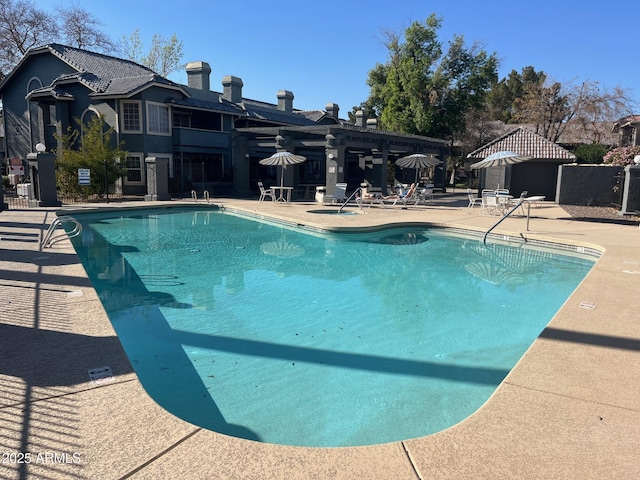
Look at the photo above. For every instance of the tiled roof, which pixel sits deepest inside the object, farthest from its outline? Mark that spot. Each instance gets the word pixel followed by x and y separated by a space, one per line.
pixel 626 121
pixel 524 142
pixel 111 76
pixel 54 91
pixel 221 106
pixel 103 68
pixel 313 115
pixel 278 116
pixel 103 74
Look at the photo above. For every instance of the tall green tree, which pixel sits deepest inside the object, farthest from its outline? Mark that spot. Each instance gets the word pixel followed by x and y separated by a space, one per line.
pixel 501 100
pixel 426 87
pixel 163 57
pixel 90 146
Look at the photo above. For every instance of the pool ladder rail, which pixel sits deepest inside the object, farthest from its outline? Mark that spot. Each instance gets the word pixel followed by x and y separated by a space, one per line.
pixel 351 197
pixel 486 234
pixel 205 195
pixel 52 237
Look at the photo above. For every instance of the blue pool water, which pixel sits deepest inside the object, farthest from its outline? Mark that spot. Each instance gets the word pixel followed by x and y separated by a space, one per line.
pixel 286 336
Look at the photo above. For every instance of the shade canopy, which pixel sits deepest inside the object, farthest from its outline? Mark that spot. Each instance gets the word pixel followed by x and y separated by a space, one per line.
pixel 418 161
pixel 501 159
pixel 282 159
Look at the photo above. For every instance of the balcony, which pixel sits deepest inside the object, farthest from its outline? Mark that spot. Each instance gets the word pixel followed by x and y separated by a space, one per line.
pixel 193 138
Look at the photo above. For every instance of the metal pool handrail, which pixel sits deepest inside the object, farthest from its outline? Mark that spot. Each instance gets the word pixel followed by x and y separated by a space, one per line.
pixel 484 239
pixel 356 191
pixel 49 239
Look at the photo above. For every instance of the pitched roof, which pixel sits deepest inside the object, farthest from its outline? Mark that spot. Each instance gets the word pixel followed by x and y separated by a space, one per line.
pixel 275 115
pixel 527 143
pixel 103 74
pixel 108 76
pixel 625 122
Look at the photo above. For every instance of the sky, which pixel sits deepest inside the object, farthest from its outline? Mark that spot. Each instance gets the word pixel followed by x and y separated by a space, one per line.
pixel 323 50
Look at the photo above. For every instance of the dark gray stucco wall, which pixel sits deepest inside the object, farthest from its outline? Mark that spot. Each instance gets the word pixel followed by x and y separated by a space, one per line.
pixel 593 185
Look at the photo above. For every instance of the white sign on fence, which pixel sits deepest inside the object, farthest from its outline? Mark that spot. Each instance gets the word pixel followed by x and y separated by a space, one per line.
pixel 84 176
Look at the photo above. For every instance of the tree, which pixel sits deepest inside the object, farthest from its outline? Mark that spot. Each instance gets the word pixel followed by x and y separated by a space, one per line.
pixel 425 89
pixel 502 97
pixel 595 107
pixel 164 56
pixel 22 26
pixel 81 29
pixel 92 149
pixel 590 153
pixel 550 107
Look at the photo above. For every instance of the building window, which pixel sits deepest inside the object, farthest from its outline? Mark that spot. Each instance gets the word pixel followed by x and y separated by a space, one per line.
pixel 134 165
pixel 131 122
pixel 181 119
pixel 158 119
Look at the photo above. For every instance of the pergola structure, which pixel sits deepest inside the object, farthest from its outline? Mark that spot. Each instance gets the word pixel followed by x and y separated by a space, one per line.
pixel 335 153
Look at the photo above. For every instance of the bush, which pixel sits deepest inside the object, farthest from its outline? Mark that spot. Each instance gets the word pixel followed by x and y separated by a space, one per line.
pixel 622 155
pixel 592 153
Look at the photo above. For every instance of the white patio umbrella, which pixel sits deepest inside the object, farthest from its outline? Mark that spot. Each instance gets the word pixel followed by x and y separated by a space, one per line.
pixel 418 161
pixel 501 159
pixel 282 159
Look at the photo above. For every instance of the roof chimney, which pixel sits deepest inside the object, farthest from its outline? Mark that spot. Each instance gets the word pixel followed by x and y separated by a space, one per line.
pixel 360 118
pixel 332 110
pixel 232 89
pixel 198 75
pixel 372 123
pixel 285 101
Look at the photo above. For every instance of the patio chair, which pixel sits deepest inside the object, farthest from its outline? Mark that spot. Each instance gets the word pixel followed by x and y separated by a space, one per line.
pixel 473 200
pixel 489 205
pixel 339 194
pixel 266 192
pixel 518 201
pixel 426 193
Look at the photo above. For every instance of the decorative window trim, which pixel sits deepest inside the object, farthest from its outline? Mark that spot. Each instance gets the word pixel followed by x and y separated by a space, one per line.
pixel 83 118
pixel 123 125
pixel 140 157
pixel 158 124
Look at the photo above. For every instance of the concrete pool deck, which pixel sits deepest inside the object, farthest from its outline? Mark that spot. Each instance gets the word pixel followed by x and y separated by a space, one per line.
pixel 569 409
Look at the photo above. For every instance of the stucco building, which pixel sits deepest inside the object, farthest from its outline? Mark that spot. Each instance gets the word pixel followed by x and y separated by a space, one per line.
pixel 213 140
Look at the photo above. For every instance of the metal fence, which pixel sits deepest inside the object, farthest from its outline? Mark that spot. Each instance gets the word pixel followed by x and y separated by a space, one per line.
pixel 21 196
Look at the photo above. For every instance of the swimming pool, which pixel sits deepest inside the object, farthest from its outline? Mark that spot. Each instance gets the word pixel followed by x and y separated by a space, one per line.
pixel 283 335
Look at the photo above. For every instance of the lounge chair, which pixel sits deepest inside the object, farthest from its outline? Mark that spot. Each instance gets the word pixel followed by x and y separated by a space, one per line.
pixel 369 199
pixel 405 198
pixel 266 192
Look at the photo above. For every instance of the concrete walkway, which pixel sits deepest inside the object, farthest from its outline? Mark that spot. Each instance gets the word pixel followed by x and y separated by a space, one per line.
pixel 569 410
